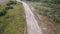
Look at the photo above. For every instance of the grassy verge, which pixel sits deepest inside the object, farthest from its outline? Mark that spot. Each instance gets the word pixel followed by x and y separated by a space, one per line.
pixel 13 21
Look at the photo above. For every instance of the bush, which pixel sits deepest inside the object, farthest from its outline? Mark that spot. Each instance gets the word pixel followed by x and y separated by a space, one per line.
pixel 8 7
pixel 2 12
pixel 10 3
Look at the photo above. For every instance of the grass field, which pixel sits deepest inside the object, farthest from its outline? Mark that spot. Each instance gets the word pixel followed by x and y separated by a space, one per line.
pixel 13 21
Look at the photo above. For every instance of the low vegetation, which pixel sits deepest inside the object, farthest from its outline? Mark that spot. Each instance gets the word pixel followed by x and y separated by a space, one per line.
pixel 11 19
pixel 51 10
pixel 2 12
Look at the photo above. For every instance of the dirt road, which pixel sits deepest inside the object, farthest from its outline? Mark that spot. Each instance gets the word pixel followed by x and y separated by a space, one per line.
pixel 32 25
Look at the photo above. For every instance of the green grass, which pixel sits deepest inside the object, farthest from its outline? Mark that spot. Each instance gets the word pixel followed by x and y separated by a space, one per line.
pixel 13 21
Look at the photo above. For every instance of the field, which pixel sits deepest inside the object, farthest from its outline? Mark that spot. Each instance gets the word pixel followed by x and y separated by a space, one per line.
pixel 13 21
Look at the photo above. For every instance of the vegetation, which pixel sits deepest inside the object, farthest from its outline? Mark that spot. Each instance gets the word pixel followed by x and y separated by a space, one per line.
pixel 11 19
pixel 10 3
pixel 49 1
pixel 49 8
pixel 8 7
pixel 2 12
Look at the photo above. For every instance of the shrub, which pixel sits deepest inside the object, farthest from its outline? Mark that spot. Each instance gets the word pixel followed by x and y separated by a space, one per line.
pixel 8 7
pixel 2 12
pixel 10 3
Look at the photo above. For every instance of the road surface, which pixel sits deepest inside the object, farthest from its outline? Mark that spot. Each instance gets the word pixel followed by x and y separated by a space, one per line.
pixel 32 24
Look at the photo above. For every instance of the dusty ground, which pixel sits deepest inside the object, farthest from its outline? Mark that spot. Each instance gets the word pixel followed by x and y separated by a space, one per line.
pixel 45 24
